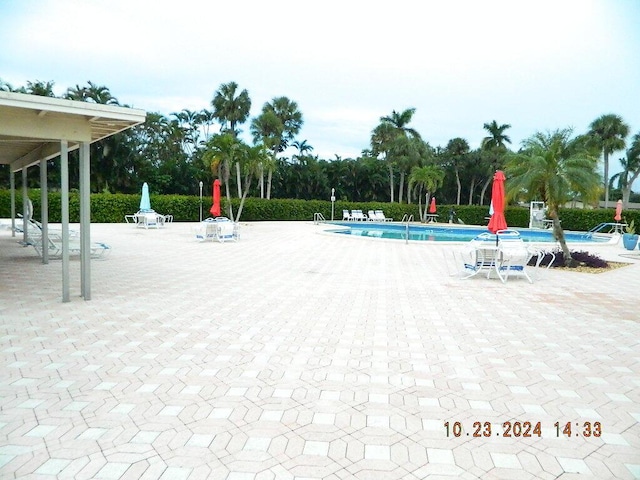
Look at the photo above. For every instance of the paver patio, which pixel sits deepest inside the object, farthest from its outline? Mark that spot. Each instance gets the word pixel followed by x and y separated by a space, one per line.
pixel 293 354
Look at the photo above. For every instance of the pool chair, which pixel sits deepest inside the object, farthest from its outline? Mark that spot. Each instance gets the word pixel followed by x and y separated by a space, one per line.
pixel 380 216
pixel 226 230
pixel 478 256
pixel 513 256
pixel 148 219
pixel 372 217
pixel 97 249
pixel 358 215
pixel 346 216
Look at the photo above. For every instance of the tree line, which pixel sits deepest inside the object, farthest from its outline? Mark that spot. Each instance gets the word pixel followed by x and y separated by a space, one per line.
pixel 174 153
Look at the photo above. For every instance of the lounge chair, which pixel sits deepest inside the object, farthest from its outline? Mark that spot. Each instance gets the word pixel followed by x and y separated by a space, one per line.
pixel 513 255
pixel 346 216
pixel 358 215
pixel 372 217
pixel 380 216
pixel 97 249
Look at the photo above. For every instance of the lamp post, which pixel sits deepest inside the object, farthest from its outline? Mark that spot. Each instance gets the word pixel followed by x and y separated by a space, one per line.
pixel 333 201
pixel 200 200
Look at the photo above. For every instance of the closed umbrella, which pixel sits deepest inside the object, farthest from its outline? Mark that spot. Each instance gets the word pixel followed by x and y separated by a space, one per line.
pixel 497 221
pixel 432 206
pixel 145 201
pixel 215 208
pixel 618 215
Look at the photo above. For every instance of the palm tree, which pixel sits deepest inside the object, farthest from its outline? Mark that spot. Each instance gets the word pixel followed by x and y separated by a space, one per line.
pixel 222 151
pixel 253 158
pixel 277 125
pixel 456 150
pixel 608 134
pixel 231 109
pixel 384 139
pixel 303 148
pixel 550 167
pixel 430 178
pixel 630 170
pixel 494 146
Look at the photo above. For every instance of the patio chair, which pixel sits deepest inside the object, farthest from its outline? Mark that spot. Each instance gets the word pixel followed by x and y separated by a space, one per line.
pixel 372 217
pixel 478 256
pixel 380 216
pixel 346 216
pixel 513 255
pixel 97 249
pixel 226 230
pixel 358 215
pixel 148 219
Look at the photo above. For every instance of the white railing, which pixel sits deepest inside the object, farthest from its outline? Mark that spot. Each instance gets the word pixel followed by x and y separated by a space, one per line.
pixel 317 218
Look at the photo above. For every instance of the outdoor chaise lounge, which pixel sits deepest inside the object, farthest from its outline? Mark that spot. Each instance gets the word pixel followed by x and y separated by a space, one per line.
pixel 98 249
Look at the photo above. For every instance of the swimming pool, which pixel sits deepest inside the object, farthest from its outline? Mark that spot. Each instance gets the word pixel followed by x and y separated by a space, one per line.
pixel 443 233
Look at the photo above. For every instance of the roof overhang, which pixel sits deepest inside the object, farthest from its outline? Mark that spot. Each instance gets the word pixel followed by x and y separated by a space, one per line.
pixel 31 126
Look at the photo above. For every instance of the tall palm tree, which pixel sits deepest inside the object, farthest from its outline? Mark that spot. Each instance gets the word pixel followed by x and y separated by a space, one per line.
pixel 430 178
pixel 384 139
pixel 231 108
pixel 277 126
pixel 630 170
pixel 550 167
pixel 456 150
pixel 494 146
pixel 608 134
pixel 221 152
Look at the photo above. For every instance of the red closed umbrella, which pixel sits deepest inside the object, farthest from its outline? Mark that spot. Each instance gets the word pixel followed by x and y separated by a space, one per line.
pixel 618 216
pixel 497 221
pixel 432 205
pixel 215 208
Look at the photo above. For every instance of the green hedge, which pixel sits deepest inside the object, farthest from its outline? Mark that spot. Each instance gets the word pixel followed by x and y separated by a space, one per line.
pixel 111 208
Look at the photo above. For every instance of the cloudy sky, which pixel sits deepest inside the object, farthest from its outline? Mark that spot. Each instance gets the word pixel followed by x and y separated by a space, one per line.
pixel 537 65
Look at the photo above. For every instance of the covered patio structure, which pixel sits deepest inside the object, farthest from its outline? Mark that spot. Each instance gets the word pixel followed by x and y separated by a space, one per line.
pixel 35 129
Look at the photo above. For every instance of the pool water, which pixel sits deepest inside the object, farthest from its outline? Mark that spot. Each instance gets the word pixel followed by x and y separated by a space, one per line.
pixel 441 233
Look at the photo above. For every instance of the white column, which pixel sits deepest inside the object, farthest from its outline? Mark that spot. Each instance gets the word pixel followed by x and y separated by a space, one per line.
pixel 64 200
pixel 85 222
pixel 25 206
pixel 12 188
pixel 44 200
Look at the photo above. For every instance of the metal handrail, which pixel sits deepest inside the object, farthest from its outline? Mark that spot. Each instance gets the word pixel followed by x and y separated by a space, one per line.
pixel 408 219
pixel 318 217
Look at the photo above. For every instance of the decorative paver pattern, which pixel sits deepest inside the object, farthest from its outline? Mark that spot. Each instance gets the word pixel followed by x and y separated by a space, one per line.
pixel 293 354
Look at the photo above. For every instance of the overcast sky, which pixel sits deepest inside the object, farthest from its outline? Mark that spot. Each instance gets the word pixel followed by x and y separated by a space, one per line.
pixel 537 65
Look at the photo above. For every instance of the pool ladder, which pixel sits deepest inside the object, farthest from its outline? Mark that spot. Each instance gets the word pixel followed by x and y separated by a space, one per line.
pixel 407 219
pixel 317 218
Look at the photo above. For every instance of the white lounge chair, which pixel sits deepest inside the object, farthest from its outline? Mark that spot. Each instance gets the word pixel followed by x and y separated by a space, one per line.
pixel 372 217
pixel 380 216
pixel 97 249
pixel 358 215
pixel 513 255
pixel 346 215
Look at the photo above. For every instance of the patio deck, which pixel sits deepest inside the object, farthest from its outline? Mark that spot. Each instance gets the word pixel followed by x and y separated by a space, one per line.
pixel 294 355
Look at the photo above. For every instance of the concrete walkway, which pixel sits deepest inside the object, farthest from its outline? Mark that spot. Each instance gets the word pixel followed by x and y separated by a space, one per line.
pixel 293 354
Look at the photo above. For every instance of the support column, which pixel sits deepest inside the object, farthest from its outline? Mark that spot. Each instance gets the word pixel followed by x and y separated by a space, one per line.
pixel 44 200
pixel 64 197
pixel 25 206
pixel 12 188
pixel 85 221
